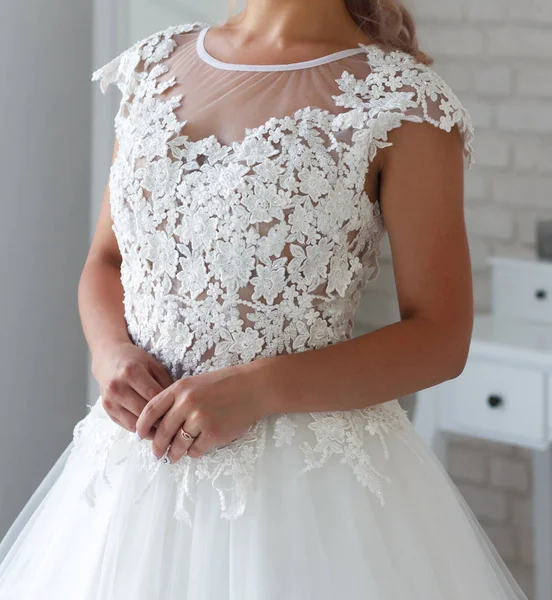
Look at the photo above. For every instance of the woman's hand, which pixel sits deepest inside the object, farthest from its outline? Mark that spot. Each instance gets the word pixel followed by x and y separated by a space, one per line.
pixel 215 408
pixel 129 377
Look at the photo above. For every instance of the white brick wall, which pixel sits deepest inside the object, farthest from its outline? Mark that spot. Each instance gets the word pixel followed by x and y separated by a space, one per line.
pixel 497 56
pixel 492 80
pixel 519 42
pixel 495 480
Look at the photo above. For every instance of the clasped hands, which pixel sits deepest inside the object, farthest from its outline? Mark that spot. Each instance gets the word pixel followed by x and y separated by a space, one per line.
pixel 215 407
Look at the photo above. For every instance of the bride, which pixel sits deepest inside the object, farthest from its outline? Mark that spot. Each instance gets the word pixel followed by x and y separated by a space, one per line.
pixel 245 446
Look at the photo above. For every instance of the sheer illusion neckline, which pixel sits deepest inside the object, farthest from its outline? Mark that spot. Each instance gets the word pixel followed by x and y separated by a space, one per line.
pixel 219 64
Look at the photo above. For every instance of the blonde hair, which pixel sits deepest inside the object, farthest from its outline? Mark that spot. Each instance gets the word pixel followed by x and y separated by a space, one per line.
pixel 387 22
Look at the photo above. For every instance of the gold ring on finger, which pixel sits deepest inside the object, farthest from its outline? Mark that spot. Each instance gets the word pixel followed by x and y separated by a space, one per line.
pixel 185 434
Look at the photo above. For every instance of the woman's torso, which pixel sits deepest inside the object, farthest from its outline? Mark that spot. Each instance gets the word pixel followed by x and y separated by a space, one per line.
pixel 239 201
pixel 240 206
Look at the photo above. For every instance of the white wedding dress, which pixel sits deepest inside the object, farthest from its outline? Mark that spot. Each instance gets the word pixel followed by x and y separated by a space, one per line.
pixel 240 208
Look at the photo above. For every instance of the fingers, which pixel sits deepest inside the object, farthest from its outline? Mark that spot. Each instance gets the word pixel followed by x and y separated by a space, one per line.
pixel 179 445
pixel 122 404
pixel 155 409
pixel 133 402
pixel 199 446
pixel 124 418
pixel 113 398
pixel 129 392
pixel 145 388
pixel 145 384
pixel 167 430
pixel 161 375
pixel 151 434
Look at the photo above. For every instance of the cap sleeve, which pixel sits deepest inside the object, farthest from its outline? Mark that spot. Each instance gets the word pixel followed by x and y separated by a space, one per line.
pixel 115 71
pixel 436 103
pixel 124 69
pixel 399 88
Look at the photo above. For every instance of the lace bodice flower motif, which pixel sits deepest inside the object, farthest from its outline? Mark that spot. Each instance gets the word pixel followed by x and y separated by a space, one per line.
pixel 239 204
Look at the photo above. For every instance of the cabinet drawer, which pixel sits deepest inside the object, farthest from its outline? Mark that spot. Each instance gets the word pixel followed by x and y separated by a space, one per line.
pixel 500 402
pixel 522 289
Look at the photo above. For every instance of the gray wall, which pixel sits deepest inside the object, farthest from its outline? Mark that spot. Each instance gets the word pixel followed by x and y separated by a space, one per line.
pixel 45 63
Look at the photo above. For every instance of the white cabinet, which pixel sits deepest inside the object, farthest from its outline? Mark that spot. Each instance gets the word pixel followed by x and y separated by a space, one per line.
pixel 495 400
pixel 522 289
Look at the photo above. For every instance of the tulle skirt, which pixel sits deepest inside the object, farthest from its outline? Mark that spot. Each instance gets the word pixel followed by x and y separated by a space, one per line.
pixel 320 536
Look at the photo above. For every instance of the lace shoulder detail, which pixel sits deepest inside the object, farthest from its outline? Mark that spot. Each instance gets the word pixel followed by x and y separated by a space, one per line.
pixel 123 69
pixel 399 88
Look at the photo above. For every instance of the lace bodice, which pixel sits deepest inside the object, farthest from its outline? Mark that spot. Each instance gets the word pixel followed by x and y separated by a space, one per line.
pixel 240 206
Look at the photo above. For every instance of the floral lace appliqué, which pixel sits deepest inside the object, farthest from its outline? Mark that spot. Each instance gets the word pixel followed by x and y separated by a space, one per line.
pixel 232 252
pixel 231 469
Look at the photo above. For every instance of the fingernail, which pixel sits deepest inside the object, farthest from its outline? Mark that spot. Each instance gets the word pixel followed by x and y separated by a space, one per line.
pixel 137 436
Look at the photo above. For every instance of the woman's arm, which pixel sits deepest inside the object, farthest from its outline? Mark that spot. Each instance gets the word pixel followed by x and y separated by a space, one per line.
pixel 422 200
pixel 128 376
pixel 100 293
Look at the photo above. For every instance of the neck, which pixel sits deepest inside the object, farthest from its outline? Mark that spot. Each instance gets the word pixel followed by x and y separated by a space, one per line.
pixel 281 22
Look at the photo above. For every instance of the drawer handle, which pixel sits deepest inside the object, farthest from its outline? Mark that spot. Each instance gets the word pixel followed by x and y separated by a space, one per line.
pixel 541 294
pixel 494 400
